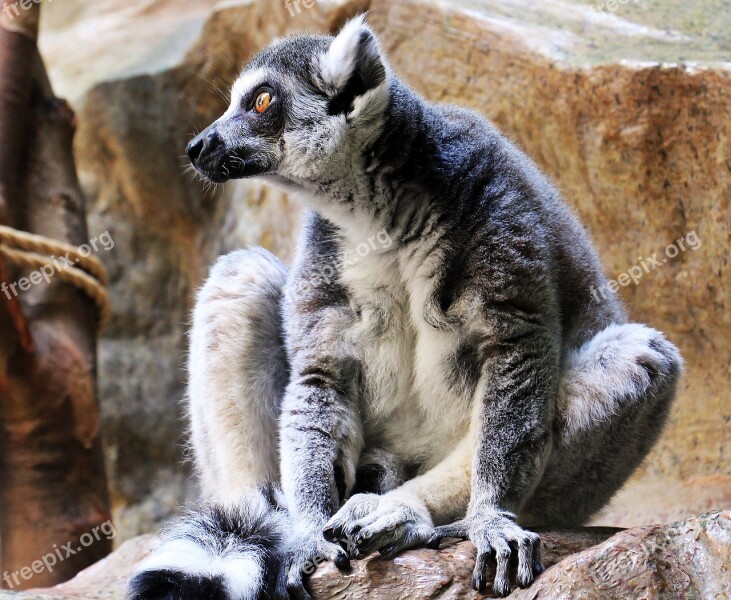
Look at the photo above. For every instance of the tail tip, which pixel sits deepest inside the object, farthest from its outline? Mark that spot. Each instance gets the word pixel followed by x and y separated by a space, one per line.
pixel 169 584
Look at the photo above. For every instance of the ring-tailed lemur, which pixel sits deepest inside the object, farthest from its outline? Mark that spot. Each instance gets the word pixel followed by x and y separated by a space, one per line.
pixel 459 381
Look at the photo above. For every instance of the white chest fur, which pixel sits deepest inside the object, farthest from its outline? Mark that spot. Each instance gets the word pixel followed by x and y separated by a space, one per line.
pixel 408 406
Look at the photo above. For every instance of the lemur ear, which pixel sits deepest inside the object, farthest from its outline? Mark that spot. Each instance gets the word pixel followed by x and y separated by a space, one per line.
pixel 353 66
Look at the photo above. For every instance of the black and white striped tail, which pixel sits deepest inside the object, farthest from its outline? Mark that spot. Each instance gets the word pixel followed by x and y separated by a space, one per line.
pixel 218 553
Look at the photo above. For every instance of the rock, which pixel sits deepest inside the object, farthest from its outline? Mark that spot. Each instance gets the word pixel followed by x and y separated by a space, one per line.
pixel 690 559
pixel 626 108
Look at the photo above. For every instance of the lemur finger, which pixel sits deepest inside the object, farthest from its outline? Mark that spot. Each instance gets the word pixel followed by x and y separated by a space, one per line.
pixel 360 505
pixel 341 559
pixel 538 567
pixel 410 537
pixel 333 552
pixel 479 577
pixel 295 585
pixel 526 548
pixel 501 585
pixel 374 525
pixel 333 533
pixel 458 529
pixel 385 538
pixel 389 551
pixel 280 590
pixel 334 530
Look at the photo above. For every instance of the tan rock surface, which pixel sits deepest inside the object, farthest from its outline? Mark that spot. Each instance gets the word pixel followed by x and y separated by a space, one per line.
pixel 690 559
pixel 639 147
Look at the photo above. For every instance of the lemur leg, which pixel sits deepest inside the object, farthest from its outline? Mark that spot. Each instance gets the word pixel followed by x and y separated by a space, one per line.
pixel 237 374
pixel 231 547
pixel 613 403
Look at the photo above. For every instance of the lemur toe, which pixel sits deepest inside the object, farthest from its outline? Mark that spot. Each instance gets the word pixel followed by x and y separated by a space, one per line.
pixel 291 586
pixel 503 552
pixel 479 577
pixel 529 559
pixel 458 530
pixel 391 550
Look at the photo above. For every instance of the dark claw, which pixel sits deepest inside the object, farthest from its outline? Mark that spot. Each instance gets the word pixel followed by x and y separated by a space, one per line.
pixel 364 547
pixel 342 562
pixel 390 551
pixel 297 591
pixel 538 568
pixel 502 591
pixel 478 583
pixel 434 541
pixel 479 579
pixel 331 534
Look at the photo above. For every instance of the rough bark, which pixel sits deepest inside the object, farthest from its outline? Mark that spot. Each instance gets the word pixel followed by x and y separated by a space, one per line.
pixel 16 54
pixel 51 467
pixel 17 51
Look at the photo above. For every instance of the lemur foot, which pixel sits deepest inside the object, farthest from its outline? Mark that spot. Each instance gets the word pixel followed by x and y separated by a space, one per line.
pixel 390 523
pixel 308 551
pixel 496 536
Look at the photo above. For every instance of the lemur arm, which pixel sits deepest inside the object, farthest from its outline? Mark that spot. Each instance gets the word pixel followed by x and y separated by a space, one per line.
pixel 320 429
pixel 515 412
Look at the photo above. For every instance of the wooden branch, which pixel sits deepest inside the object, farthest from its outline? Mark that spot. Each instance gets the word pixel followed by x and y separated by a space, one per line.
pixel 17 52
pixel 52 480
pixel 54 486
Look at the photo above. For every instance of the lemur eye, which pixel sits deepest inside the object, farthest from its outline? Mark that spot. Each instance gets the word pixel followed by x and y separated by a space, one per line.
pixel 263 101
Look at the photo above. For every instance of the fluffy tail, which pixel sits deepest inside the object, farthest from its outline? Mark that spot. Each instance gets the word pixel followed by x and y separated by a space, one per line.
pixel 221 553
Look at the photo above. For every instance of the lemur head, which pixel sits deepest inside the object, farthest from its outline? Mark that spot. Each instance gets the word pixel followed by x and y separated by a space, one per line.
pixel 299 110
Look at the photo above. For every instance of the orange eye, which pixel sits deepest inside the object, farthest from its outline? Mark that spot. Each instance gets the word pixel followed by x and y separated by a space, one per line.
pixel 263 101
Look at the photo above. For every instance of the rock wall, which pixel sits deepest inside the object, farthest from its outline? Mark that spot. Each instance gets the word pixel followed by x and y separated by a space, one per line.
pixel 630 117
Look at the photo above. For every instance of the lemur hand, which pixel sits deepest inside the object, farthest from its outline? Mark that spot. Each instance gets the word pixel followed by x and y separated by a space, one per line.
pixel 496 535
pixel 389 523
pixel 308 550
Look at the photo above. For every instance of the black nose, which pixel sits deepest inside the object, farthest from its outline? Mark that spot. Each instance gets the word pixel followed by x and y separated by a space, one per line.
pixel 194 147
pixel 204 142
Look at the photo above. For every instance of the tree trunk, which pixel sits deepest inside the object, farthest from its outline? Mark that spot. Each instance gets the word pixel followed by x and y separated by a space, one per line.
pixel 53 494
